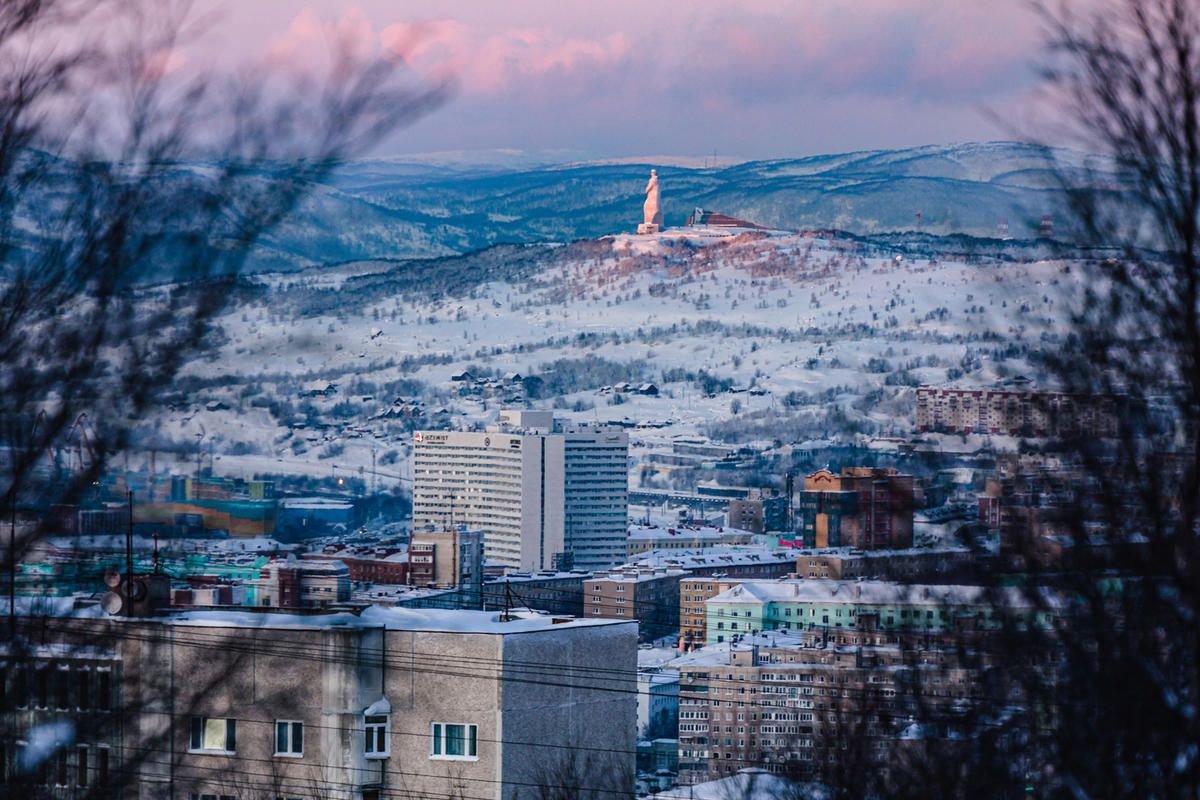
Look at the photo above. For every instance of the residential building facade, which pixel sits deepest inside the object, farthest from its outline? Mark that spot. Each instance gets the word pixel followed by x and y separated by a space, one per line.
pixel 394 703
pixel 924 565
pixel 644 538
pixel 802 604
pixel 1014 412
pixel 791 702
pixel 554 592
pixel 649 595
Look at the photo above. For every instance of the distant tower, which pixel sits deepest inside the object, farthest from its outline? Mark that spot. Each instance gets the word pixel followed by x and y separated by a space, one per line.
pixel 918 222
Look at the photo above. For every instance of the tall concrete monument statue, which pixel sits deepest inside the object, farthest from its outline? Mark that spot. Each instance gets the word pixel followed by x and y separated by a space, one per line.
pixel 651 211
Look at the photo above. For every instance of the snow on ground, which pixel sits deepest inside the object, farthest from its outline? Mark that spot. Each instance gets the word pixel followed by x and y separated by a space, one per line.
pixel 810 325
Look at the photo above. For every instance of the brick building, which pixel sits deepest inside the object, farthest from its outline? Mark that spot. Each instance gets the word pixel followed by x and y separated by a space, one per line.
pixel 865 507
pixel 649 595
pixel 915 565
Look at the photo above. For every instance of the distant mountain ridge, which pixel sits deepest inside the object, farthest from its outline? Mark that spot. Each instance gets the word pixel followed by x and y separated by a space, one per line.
pixel 449 203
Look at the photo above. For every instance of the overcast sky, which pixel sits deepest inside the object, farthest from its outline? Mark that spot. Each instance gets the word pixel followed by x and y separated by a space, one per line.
pixel 755 78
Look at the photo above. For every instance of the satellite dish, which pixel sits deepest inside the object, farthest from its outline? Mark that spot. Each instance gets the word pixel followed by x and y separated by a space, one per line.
pixel 112 578
pixel 134 589
pixel 112 603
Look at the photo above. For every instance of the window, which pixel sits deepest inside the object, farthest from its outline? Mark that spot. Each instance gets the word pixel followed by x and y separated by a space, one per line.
pixel 289 738
pixel 82 763
pixel 41 686
pixel 213 735
pixel 376 726
pixel 62 698
pixel 103 693
pixel 452 741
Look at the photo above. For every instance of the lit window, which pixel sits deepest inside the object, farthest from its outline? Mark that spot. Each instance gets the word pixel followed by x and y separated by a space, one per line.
pixel 289 738
pixel 376 745
pixel 452 741
pixel 213 734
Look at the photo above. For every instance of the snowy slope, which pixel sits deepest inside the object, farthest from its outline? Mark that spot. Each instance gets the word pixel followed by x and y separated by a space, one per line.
pixel 745 337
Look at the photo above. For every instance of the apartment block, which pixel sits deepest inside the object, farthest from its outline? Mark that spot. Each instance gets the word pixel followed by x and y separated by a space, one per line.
pixel 394 703
pixel 802 604
pixel 644 538
pixel 543 493
pixel 554 592
pixel 649 595
pixel 864 507
pixel 367 564
pixel 1014 412
pixel 924 565
pixel 694 592
pixel 791 702
pixel 447 559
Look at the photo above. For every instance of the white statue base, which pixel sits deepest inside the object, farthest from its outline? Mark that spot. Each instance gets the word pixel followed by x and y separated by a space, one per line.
pixel 647 227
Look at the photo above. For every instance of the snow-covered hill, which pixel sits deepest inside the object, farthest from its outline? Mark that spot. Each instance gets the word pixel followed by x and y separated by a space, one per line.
pixel 744 337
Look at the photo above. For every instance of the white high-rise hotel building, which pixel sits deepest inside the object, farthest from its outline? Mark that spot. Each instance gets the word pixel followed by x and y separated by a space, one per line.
pixel 535 487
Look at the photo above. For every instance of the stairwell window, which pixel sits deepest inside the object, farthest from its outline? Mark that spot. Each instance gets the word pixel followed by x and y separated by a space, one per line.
pixel 376 726
pixel 453 742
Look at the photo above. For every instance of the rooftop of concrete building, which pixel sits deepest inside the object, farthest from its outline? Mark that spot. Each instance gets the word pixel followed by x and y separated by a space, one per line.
pixel 653 532
pixel 715 655
pixel 753 783
pixel 831 592
pixel 708 557
pixel 317 503
pixel 309 565
pixel 390 593
pixel 856 552
pixel 638 574
pixel 391 618
pixel 116 542
pixel 360 552
pixel 544 575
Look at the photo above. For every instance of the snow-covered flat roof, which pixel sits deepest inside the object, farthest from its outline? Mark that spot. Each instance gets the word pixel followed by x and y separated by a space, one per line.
pixel 749 784
pixel 433 620
pixel 868 593
pixel 395 619
pixel 651 532
pixel 549 575
pixel 727 556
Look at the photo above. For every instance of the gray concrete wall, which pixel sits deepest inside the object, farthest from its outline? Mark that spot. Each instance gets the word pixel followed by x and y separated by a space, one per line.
pixel 570 710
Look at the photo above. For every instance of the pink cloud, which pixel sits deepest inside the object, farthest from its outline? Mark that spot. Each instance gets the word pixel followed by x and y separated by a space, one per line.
pixel 310 40
pixel 487 62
